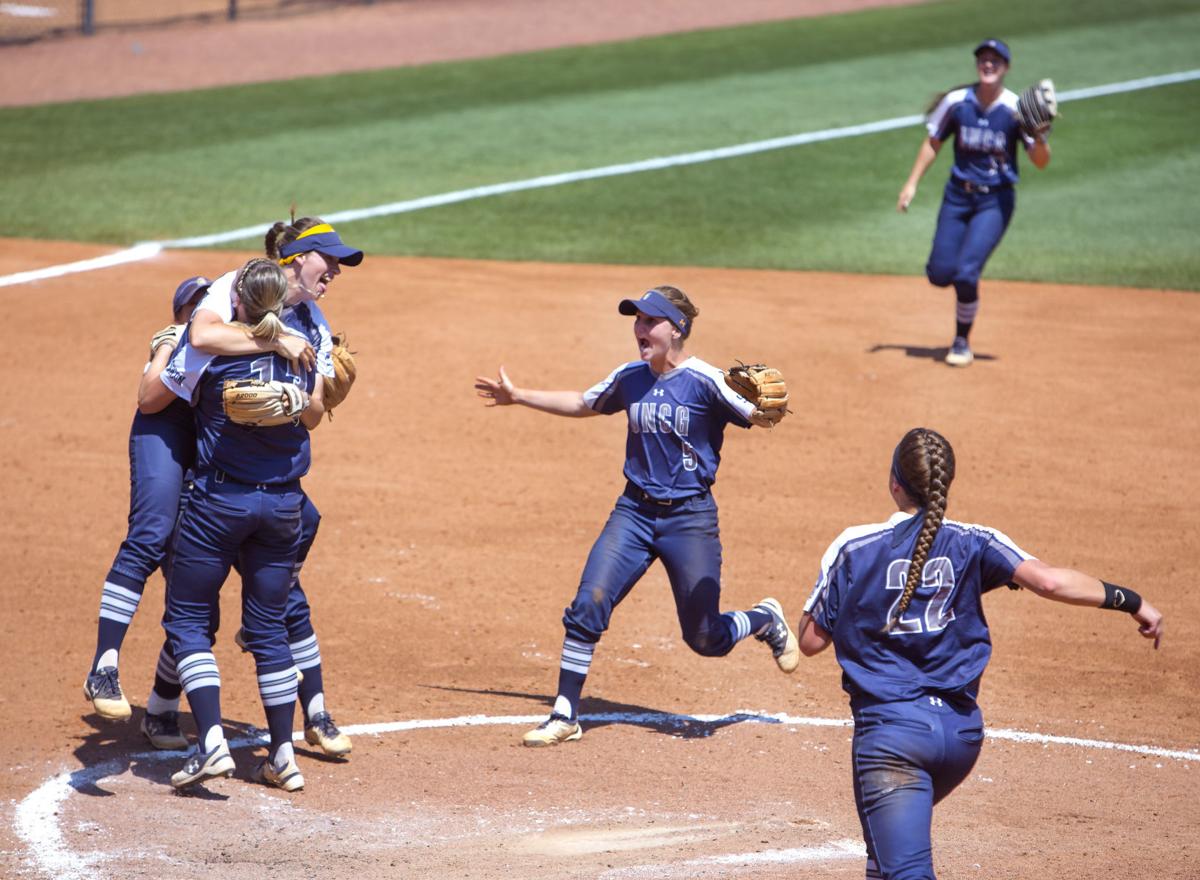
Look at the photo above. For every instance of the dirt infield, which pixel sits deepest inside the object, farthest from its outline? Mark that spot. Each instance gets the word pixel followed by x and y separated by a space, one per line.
pixel 453 536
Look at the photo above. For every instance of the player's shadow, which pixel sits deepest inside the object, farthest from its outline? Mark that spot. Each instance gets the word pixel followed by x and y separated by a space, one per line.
pixel 598 712
pixel 114 747
pixel 920 351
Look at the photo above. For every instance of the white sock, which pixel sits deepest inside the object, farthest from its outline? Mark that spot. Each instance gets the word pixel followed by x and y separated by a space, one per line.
pixel 315 706
pixel 283 754
pixel 156 705
pixel 563 707
pixel 108 658
pixel 213 738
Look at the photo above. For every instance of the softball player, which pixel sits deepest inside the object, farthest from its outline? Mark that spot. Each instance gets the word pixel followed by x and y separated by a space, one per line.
pixel 979 198
pixel 901 601
pixel 311 253
pixel 244 505
pixel 677 408
pixel 162 448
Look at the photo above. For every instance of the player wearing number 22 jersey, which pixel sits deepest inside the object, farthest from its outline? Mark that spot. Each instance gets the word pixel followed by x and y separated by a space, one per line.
pixel 902 603
pixel 677 408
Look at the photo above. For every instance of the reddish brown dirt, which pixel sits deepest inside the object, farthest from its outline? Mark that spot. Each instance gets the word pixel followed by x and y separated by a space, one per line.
pixel 185 56
pixel 453 536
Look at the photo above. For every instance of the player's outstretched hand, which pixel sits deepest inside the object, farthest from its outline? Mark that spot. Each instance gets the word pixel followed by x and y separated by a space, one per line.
pixel 906 196
pixel 1150 622
pixel 499 390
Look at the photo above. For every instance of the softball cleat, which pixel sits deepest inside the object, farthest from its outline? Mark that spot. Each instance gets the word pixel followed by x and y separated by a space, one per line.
pixel 103 688
pixel 320 731
pixel 286 777
pixel 204 765
pixel 554 730
pixel 779 636
pixel 163 731
pixel 960 354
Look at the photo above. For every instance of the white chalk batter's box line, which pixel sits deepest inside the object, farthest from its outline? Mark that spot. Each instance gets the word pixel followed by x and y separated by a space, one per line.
pixel 36 817
pixel 148 250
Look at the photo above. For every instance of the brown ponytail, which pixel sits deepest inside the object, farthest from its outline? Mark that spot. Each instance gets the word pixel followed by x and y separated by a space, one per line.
pixel 924 465
pixel 285 233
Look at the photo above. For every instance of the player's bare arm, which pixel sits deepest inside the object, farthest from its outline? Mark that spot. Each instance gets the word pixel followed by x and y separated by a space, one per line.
pixel 1076 588
pixel 926 155
pixel 210 334
pixel 501 392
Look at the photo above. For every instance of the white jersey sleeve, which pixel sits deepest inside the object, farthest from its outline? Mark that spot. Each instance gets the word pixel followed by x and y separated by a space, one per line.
pixel 730 398
pixel 936 122
pixel 219 298
pixel 600 396
pixel 307 320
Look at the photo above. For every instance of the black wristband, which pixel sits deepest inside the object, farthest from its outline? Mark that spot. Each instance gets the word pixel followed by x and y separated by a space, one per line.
pixel 1121 598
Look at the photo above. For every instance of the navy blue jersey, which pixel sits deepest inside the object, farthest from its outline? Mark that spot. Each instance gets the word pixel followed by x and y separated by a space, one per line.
pixel 276 454
pixel 676 423
pixel 941 643
pixel 985 138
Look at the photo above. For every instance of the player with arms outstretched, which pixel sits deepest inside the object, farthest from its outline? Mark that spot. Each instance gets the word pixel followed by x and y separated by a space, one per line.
pixel 902 603
pixel 979 198
pixel 677 408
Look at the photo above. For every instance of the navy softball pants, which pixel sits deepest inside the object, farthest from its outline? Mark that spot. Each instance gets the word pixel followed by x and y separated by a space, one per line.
pixel 687 538
pixel 226 521
pixel 162 448
pixel 907 757
pixel 969 227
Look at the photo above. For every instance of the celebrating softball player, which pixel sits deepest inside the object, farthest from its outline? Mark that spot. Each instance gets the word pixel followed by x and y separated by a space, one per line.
pixel 677 408
pixel 253 416
pixel 901 601
pixel 162 447
pixel 311 253
pixel 979 198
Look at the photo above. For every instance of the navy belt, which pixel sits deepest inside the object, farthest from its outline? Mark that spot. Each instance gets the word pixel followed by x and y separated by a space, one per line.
pixel 220 477
pixel 636 493
pixel 971 187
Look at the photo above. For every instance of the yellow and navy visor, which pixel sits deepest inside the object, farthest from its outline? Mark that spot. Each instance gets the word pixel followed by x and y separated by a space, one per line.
pixel 324 240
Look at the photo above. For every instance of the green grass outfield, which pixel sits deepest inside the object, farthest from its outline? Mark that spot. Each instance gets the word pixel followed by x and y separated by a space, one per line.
pixel 1116 206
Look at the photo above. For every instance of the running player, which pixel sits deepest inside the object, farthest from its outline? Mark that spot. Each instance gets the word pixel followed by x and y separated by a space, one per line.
pixel 677 407
pixel 901 602
pixel 162 447
pixel 244 505
pixel 979 198
pixel 311 253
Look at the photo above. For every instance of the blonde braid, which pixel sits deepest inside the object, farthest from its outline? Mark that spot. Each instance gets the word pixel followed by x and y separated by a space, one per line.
pixel 935 465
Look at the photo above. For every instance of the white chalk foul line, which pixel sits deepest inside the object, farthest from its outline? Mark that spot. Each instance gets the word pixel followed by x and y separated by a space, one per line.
pixel 36 816
pixel 149 249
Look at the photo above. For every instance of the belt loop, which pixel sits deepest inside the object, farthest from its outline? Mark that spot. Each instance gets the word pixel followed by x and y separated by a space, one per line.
pixel 220 476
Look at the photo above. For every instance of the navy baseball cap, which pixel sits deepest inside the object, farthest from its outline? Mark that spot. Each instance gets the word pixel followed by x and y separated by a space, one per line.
pixel 187 292
pixel 655 304
pixel 997 46
pixel 324 240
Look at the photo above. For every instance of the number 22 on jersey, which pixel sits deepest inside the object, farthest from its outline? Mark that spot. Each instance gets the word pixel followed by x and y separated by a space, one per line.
pixel 937 579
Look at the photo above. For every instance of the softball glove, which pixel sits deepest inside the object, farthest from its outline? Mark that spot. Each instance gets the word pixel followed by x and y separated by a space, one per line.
pixel 344 373
pixel 169 335
pixel 1037 107
pixel 764 387
pixel 263 404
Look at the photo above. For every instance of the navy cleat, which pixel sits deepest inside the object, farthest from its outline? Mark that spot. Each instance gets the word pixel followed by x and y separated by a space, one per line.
pixel 103 688
pixel 960 354
pixel 163 731
pixel 779 636
pixel 204 765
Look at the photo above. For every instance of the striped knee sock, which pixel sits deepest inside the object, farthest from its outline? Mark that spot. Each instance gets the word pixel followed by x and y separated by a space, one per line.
pixel 164 696
pixel 201 681
pixel 743 623
pixel 278 692
pixel 572 673
pixel 118 604
pixel 307 655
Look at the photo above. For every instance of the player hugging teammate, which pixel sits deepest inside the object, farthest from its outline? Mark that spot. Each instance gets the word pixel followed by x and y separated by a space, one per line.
pixel 310 253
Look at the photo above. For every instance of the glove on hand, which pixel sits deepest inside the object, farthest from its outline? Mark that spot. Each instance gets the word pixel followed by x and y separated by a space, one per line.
pixel 1037 107
pixel 169 335
pixel 764 387
pixel 344 373
pixel 254 402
